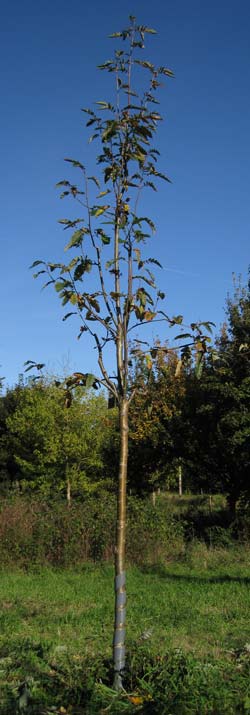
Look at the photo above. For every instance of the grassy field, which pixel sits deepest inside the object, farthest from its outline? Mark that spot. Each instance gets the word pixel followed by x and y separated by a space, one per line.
pixel 188 637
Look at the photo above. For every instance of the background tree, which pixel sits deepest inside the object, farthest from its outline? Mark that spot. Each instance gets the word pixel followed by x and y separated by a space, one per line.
pixel 108 283
pixel 56 450
pixel 215 431
pixel 8 467
pixel 153 448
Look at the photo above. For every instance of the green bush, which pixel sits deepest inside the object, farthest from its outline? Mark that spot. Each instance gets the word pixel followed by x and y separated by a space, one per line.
pixel 153 533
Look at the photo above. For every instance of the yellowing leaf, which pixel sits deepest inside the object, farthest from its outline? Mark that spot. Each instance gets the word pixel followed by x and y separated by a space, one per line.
pixel 136 699
pixel 178 368
pixel 149 315
pixel 148 362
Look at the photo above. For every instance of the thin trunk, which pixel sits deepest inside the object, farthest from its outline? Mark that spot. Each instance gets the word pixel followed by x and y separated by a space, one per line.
pixel 180 479
pixel 120 575
pixel 68 492
pixel 68 484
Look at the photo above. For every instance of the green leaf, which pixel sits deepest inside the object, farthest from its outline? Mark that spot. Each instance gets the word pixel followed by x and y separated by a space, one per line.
pixel 141 295
pixel 95 180
pixel 62 183
pixel 84 266
pixel 110 130
pixel 73 299
pixel 76 238
pixel 94 303
pixel 105 239
pixel 177 319
pixel 103 193
pixel 149 281
pixel 114 295
pixel 90 316
pixel 37 263
pixel 75 163
pixel 103 105
pixel 105 65
pixel 166 71
pixel 162 176
pixel 67 315
pixel 73 263
pixel 91 122
pixel 154 260
pixel 35 275
pixel 144 63
pixel 46 284
pixel 149 30
pixel 149 222
pixel 207 324
pixel 32 364
pixel 151 185
pixel 99 210
pixel 59 285
pixel 83 329
pixel 139 312
pixel 183 336
pixel 88 111
pixel 108 173
pixel 52 266
pixel 66 297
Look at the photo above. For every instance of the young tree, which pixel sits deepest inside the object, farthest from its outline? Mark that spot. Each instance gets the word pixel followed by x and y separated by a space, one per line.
pixel 108 283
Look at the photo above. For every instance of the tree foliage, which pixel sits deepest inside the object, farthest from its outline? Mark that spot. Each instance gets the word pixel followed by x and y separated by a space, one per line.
pixel 216 416
pixel 51 445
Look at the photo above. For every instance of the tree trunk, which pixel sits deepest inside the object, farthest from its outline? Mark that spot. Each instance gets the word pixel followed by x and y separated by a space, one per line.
pixel 120 575
pixel 68 484
pixel 180 480
pixel 68 492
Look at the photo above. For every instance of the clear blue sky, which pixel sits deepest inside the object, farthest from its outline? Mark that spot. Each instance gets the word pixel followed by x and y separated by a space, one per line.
pixel 49 51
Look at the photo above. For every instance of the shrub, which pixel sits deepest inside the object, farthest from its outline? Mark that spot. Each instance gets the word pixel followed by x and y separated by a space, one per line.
pixel 153 534
pixel 34 532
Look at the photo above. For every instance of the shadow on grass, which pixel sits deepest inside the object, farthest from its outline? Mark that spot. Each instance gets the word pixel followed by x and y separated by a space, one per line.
pixel 163 572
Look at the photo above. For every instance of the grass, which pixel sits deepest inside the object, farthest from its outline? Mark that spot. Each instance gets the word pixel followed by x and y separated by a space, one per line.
pixel 188 618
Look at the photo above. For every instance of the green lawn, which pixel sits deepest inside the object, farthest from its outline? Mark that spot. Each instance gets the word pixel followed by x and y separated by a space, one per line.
pixel 56 619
